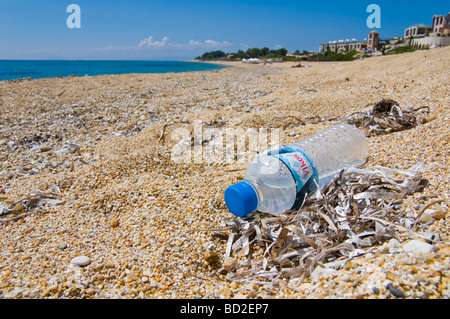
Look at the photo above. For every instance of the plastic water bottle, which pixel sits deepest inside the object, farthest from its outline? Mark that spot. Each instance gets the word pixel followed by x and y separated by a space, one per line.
pixel 282 180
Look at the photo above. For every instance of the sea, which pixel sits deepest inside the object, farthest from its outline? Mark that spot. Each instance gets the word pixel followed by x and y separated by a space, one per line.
pixel 36 69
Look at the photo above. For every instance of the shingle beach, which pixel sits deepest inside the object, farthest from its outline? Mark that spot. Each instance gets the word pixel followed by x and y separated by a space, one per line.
pixel 93 204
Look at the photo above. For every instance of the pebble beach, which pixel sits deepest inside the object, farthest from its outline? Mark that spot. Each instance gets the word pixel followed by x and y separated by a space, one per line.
pixel 93 204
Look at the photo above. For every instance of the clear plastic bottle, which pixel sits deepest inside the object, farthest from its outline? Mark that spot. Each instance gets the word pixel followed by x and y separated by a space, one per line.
pixel 281 180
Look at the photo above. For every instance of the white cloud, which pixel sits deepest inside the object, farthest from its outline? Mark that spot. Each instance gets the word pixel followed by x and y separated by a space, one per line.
pixel 212 43
pixel 147 48
pixel 193 43
pixel 150 43
pixel 156 48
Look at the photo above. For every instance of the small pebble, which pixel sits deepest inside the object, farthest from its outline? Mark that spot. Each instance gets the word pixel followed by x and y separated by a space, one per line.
pixel 18 207
pixel 210 257
pixel 393 243
pixel 418 247
pixel 438 213
pixel 62 246
pixel 80 261
pixel 45 148
pixel 426 216
pixel 114 222
pixel 227 293
pixel 395 291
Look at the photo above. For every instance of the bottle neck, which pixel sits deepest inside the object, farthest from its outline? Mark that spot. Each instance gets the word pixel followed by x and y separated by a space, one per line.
pixel 258 191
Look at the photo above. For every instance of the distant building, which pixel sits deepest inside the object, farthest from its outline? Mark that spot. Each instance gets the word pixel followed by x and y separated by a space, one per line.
pixel 422 36
pixel 340 46
pixel 441 24
pixel 417 30
pixel 373 40
pixel 435 35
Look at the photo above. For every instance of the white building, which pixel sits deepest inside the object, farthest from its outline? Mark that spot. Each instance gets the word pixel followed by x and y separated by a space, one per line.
pixel 343 46
pixel 418 30
pixel 441 24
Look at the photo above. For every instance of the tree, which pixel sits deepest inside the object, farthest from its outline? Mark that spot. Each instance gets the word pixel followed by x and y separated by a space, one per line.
pixel 241 55
pixel 254 52
pixel 281 52
pixel 250 53
pixel 213 55
pixel 265 51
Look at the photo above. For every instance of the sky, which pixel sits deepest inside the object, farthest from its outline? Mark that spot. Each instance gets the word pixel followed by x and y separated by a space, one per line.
pixel 180 29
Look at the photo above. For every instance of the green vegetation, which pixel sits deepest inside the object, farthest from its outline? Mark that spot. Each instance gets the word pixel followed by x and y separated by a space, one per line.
pixel 213 55
pixel 266 53
pixel 400 50
pixel 260 53
pixel 386 47
pixel 333 56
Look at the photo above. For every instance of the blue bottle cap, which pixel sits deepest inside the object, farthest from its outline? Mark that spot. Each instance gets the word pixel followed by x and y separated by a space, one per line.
pixel 241 199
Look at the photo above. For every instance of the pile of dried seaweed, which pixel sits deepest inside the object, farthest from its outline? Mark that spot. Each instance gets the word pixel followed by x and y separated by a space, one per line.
pixel 360 208
pixel 37 202
pixel 387 117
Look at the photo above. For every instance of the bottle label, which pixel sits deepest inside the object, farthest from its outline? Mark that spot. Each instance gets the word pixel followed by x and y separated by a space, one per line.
pixel 303 171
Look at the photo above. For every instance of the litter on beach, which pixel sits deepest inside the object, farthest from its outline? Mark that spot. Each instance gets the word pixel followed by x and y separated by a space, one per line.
pixel 360 208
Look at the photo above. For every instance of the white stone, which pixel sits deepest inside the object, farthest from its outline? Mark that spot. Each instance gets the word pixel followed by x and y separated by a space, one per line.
pixel 418 247
pixel 426 216
pixel 394 245
pixel 324 272
pixel 80 261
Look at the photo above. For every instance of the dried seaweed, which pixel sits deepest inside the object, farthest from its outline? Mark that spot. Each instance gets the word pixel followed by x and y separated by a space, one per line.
pixel 356 210
pixel 37 202
pixel 387 117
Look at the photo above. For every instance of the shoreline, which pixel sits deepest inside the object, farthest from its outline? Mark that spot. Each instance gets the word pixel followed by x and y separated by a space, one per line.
pixel 93 71
pixel 100 148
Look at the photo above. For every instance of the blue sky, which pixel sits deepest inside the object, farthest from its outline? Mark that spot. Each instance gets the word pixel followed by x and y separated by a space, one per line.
pixel 175 29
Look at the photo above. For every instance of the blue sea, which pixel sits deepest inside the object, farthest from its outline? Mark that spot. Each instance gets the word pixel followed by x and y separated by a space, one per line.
pixel 36 69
